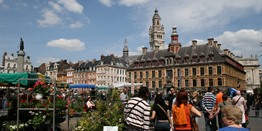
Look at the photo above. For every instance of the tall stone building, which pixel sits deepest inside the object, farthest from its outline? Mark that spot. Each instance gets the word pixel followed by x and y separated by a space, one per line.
pixel 197 66
pixel 251 67
pixel 85 72
pixel 110 70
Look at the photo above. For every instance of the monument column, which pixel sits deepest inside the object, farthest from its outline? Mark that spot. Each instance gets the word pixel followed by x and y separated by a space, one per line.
pixel 21 55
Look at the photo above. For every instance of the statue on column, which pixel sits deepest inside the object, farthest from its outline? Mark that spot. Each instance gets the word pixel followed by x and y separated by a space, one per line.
pixel 21 44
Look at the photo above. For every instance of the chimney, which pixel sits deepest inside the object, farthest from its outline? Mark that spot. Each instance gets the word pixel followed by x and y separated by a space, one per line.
pixel 144 50
pixel 210 41
pixel 219 46
pixel 215 44
pixel 194 43
pixel 226 51
pixel 102 57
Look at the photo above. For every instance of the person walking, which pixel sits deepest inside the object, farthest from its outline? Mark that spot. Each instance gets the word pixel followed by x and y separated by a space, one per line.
pixel 137 111
pixel 208 107
pixel 240 102
pixel 257 105
pixel 171 96
pixel 161 113
pixel 181 111
pixel 232 118
pixel 218 112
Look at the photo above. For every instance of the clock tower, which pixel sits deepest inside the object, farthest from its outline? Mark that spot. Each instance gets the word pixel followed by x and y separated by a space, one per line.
pixel 156 32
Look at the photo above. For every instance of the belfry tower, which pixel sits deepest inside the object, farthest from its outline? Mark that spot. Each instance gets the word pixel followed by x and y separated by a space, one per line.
pixel 125 50
pixel 156 32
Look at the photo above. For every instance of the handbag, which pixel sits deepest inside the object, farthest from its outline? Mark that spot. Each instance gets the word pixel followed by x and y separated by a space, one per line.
pixel 194 126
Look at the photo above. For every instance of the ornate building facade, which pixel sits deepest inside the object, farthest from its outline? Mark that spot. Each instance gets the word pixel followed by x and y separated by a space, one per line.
pixel 251 67
pixel 85 72
pixel 10 63
pixel 195 66
pixel 110 70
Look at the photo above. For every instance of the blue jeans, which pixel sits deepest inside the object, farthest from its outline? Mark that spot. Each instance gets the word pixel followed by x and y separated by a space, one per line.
pixel 162 126
pixel 211 125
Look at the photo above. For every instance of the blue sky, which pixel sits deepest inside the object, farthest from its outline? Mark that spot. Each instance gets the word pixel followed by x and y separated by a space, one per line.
pixel 85 29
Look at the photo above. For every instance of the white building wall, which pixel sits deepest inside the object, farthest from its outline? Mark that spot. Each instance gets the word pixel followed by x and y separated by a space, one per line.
pixel 251 67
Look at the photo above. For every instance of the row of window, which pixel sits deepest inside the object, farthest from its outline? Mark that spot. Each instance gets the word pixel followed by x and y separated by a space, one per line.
pixel 185 72
pixel 203 83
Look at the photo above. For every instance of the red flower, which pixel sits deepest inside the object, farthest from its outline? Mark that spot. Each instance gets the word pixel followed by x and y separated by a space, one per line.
pixel 30 89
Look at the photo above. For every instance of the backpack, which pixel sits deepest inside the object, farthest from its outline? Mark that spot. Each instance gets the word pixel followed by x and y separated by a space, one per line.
pixel 179 115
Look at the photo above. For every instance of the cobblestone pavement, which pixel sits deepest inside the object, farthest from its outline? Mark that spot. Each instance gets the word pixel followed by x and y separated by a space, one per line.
pixel 255 124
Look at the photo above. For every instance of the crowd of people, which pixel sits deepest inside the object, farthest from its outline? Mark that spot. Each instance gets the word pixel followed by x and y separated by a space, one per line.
pixel 179 110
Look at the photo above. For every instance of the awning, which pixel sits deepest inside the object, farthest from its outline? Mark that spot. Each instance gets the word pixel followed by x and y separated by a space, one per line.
pixel 82 86
pixel 26 79
pixel 102 87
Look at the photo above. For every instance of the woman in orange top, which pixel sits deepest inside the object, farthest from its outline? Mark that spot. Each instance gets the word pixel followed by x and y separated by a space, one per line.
pixel 181 110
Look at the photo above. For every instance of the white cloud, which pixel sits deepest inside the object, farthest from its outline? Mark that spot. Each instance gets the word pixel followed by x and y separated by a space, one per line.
pixel 47 60
pixel 76 24
pixel 107 3
pixel 67 44
pixel 192 15
pixel 55 6
pixel 49 18
pixel 243 42
pixel 72 6
pixel 1 2
pixel 132 2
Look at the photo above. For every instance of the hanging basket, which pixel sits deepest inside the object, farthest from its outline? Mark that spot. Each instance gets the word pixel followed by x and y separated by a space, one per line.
pixel 39 96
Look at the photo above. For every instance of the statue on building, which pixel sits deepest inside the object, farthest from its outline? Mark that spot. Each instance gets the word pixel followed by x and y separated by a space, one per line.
pixel 21 44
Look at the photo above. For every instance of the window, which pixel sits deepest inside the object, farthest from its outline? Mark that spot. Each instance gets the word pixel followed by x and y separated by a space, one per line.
pixel 186 72
pixel 178 83
pixel 160 84
pixel 169 74
pixel 210 70
pixel 130 75
pixel 219 71
pixel 135 76
pixel 141 74
pixel 186 83
pixel 178 72
pixel 147 74
pixel 153 84
pixel 153 74
pixel 194 83
pixel 160 74
pixel 147 84
pixel 219 82
pixel 194 71
pixel 211 82
pixel 202 71
pixel 202 82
